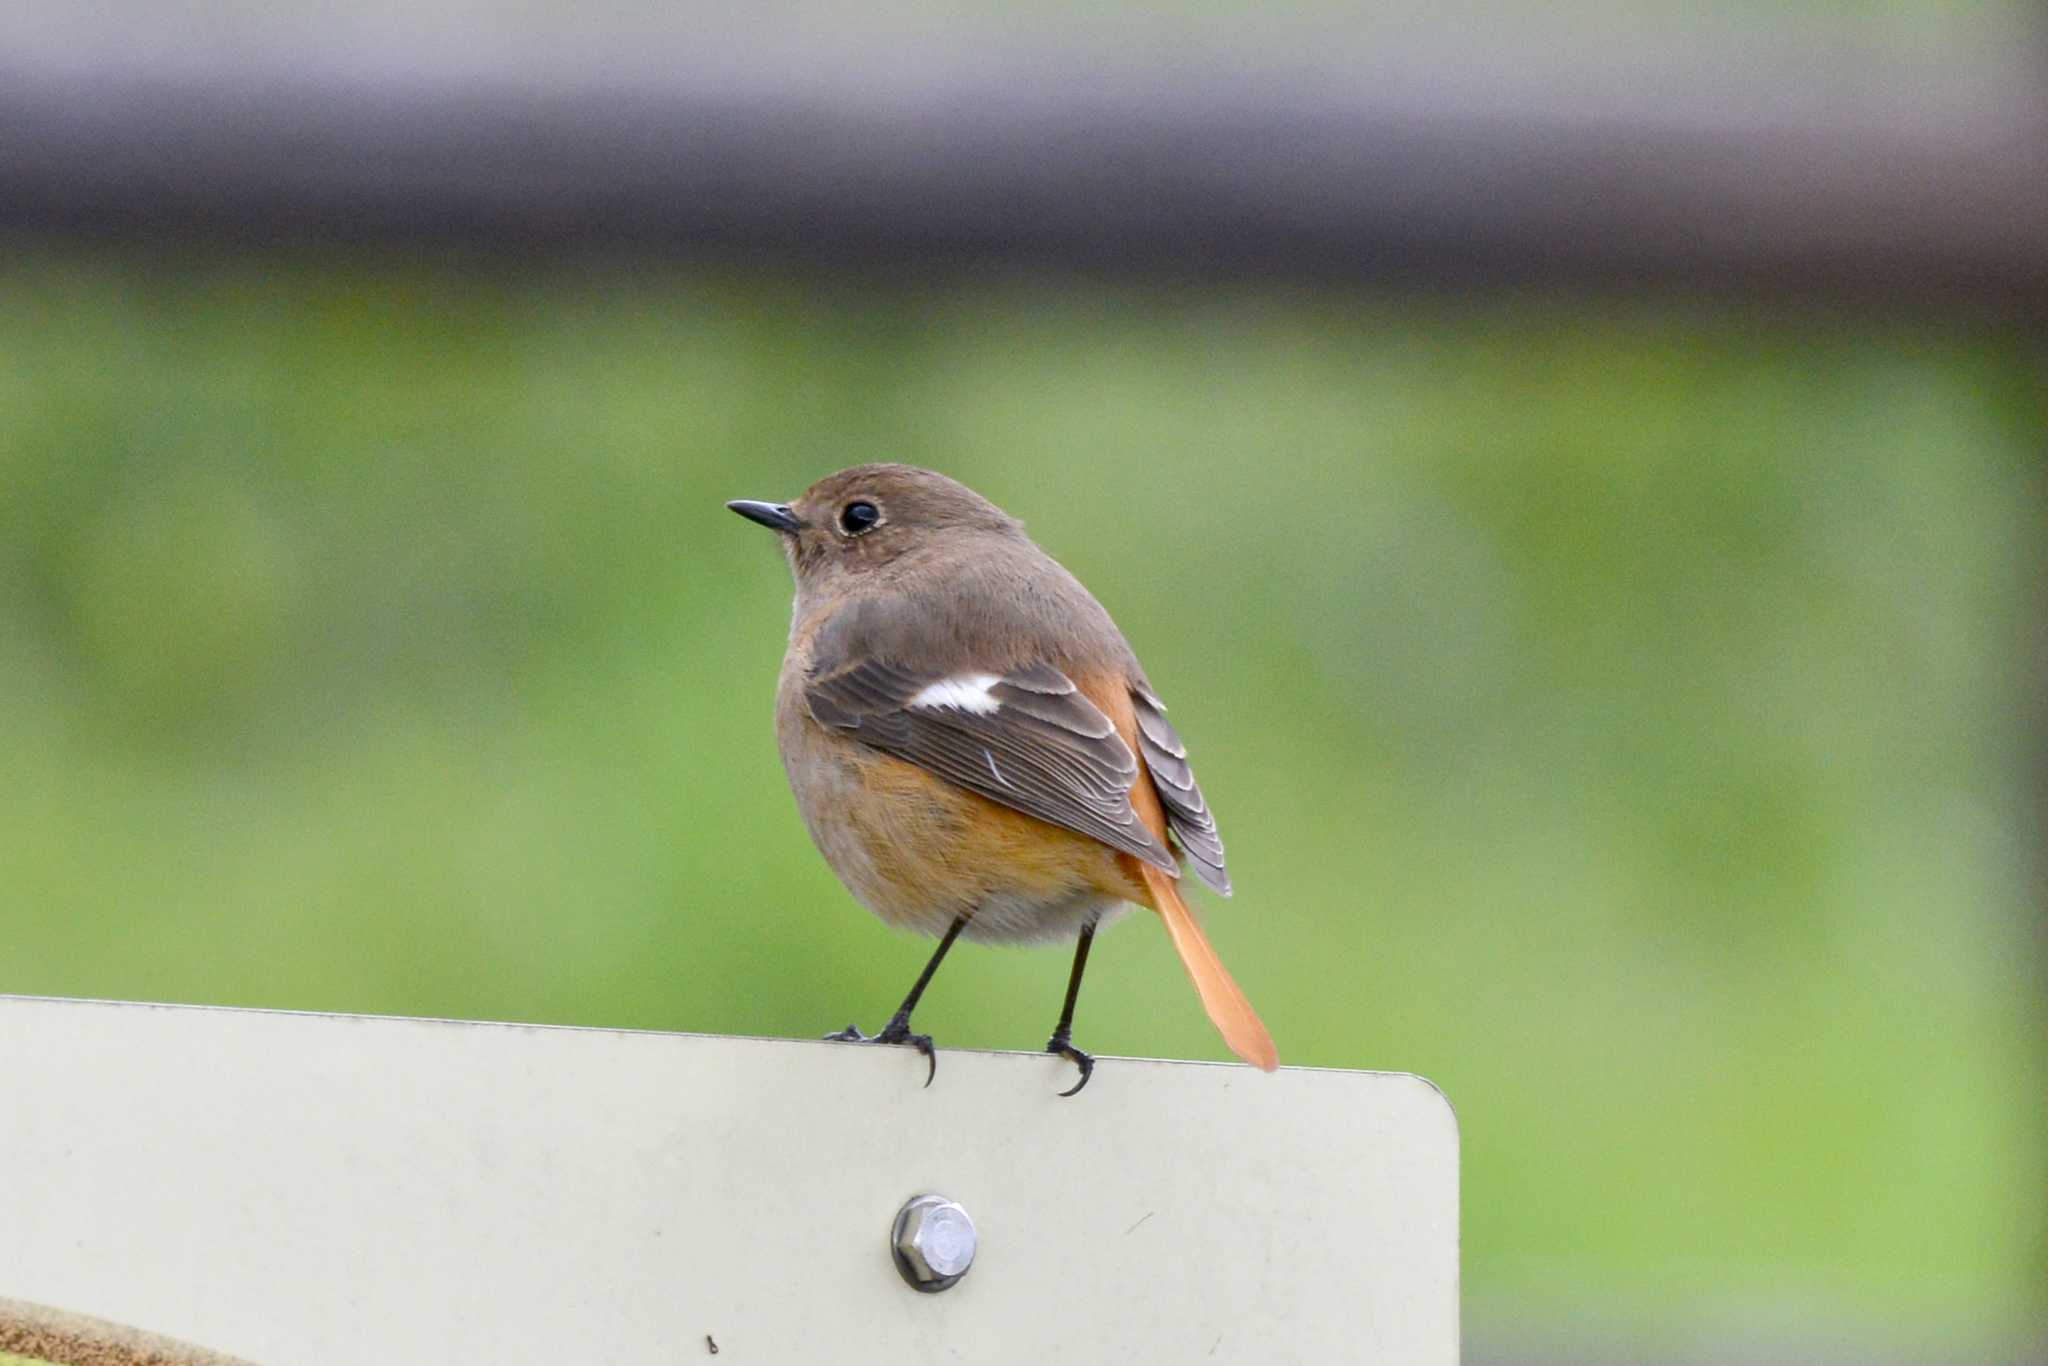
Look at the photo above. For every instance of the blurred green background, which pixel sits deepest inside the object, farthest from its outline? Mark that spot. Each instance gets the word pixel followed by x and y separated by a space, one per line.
pixel 1627 715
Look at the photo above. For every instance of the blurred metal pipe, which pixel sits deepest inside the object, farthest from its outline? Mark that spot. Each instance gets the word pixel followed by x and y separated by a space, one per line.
pixel 1184 178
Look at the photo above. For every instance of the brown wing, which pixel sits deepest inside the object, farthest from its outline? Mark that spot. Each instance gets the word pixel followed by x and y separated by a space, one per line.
pixel 1026 738
pixel 1187 813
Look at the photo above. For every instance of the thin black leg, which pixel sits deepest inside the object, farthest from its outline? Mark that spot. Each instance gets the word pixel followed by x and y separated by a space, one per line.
pixel 1062 1041
pixel 924 979
pixel 898 1028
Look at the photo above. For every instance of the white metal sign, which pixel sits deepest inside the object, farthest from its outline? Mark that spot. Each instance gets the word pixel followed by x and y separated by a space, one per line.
pixel 306 1190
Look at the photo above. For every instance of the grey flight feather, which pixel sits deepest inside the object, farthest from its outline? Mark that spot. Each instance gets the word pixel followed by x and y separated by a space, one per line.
pixel 1187 813
pixel 1044 749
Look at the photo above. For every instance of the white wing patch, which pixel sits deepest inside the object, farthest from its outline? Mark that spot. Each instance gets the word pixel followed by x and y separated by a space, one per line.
pixel 967 692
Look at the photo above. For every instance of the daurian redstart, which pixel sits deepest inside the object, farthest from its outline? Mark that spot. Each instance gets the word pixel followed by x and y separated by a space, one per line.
pixel 974 747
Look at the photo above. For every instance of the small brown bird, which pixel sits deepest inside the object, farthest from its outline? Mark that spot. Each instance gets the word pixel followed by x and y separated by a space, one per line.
pixel 974 747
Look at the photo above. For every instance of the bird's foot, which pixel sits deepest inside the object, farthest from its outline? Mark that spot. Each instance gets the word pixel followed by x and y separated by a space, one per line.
pixel 1060 1045
pixel 897 1031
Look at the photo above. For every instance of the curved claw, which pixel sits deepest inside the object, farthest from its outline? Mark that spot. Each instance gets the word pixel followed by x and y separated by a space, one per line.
pixel 897 1031
pixel 1078 1058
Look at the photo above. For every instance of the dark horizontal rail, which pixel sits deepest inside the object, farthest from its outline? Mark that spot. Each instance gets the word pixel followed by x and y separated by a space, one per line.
pixel 1182 178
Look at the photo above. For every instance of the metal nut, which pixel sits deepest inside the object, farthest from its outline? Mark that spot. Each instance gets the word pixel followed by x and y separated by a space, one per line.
pixel 933 1243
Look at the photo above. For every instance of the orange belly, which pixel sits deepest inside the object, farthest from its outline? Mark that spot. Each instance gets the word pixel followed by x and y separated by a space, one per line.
pixel 920 852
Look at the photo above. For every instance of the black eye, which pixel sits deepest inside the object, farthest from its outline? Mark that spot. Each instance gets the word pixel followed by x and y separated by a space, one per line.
pixel 859 516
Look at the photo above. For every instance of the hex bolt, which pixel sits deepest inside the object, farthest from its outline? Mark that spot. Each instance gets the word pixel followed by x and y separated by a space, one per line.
pixel 933 1243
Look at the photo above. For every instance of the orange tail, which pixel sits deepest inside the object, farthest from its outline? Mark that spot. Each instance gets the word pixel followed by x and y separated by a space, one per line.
pixel 1232 1014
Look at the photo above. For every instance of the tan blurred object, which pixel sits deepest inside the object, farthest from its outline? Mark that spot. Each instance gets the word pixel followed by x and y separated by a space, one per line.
pixel 66 1339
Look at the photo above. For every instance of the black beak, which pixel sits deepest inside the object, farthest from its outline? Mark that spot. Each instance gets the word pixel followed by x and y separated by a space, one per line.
pixel 775 515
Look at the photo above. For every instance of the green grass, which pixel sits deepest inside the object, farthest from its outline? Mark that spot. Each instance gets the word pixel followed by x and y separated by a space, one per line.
pixel 1622 716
